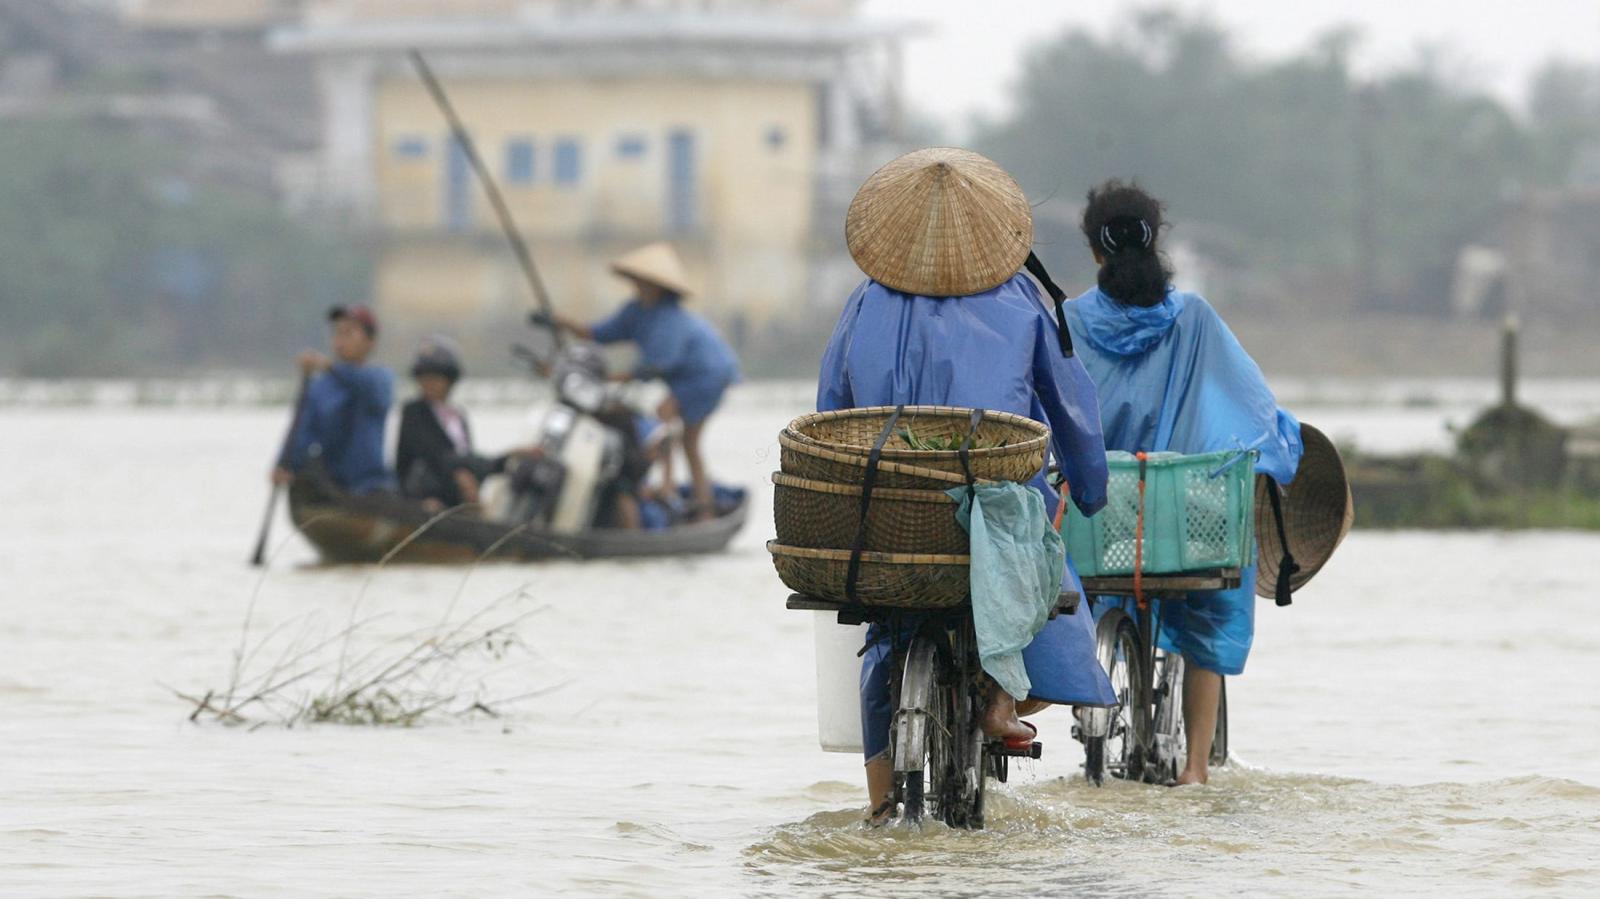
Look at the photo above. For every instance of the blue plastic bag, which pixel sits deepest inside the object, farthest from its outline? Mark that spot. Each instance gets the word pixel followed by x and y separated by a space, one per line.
pixel 1017 562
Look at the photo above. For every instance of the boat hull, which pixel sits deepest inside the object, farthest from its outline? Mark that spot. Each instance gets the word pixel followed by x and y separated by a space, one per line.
pixel 362 529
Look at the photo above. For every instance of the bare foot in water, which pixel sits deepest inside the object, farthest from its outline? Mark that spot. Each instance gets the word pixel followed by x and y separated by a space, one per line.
pixel 1000 721
pixel 1190 778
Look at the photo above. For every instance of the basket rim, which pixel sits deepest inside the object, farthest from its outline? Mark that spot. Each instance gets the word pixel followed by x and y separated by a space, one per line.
pixel 1040 438
pixel 843 555
pixel 821 451
pixel 903 494
pixel 1174 459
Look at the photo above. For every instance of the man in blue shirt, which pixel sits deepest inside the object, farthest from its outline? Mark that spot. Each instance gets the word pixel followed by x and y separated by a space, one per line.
pixel 341 419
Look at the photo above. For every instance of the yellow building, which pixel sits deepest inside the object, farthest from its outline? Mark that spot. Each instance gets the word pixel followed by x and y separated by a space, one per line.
pixel 731 127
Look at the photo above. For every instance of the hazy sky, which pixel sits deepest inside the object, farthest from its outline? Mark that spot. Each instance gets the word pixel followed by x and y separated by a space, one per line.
pixel 972 54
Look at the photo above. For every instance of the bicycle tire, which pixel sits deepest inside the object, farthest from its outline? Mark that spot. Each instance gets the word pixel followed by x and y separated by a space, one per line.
pixel 1169 746
pixel 1121 751
pixel 1167 766
pixel 913 798
pixel 916 726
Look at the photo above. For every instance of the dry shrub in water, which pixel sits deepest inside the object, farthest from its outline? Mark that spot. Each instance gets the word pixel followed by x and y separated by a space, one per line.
pixel 358 676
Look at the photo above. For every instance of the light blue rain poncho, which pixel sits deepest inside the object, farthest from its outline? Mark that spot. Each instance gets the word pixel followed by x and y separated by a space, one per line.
pixel 678 347
pixel 994 350
pixel 1172 377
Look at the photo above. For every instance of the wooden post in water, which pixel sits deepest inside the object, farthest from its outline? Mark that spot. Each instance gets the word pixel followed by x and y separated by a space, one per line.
pixel 1508 361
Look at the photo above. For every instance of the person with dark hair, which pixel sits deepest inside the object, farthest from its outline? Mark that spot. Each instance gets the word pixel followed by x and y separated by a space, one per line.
pixel 1172 377
pixel 946 317
pixel 345 409
pixel 435 457
pixel 675 346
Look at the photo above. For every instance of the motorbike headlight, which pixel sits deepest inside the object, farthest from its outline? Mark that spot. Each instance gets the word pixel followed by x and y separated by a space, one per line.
pixel 558 423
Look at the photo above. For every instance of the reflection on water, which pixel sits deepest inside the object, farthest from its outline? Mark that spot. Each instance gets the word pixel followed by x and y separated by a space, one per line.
pixel 1440 687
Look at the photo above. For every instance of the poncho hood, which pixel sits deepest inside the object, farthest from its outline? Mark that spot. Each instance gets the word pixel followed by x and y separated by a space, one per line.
pixel 1123 330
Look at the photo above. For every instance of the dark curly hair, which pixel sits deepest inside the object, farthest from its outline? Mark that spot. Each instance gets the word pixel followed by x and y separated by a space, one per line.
pixel 1123 225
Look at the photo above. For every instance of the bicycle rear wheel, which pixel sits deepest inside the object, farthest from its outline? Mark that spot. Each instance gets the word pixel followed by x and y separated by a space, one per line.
pixel 938 746
pixel 1115 738
pixel 1172 739
pixel 916 725
pixel 1171 749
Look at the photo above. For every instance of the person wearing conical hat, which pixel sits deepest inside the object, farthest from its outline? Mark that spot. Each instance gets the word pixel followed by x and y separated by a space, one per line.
pixel 946 317
pixel 1172 377
pixel 675 346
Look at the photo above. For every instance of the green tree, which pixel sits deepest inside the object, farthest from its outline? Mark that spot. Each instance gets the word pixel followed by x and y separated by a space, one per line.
pixel 115 259
pixel 1293 168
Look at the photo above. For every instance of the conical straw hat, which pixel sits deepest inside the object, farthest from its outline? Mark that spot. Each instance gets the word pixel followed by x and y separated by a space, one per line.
pixel 940 222
pixel 657 263
pixel 1317 514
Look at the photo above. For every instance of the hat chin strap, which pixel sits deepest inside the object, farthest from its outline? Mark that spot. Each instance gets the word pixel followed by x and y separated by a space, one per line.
pixel 1063 335
pixel 1287 566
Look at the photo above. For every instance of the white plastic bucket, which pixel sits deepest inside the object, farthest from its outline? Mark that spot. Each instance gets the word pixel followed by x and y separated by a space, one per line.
pixel 838 682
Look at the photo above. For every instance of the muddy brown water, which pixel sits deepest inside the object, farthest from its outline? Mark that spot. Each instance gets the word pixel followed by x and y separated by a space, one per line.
pixel 1424 719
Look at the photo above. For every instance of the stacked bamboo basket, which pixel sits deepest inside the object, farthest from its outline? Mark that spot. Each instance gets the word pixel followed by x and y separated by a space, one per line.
pixel 912 551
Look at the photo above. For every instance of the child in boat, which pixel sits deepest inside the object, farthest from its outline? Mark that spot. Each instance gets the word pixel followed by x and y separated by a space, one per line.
pixel 435 458
pixel 341 419
pixel 946 318
pixel 675 346
pixel 1172 377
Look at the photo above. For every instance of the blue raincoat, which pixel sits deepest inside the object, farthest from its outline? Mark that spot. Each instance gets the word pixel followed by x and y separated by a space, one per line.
pixel 994 350
pixel 341 423
pixel 678 347
pixel 1172 377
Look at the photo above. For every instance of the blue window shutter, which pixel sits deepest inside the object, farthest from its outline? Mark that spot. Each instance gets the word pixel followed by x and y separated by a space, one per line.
pixel 631 146
pixel 683 181
pixel 411 147
pixel 568 161
pixel 458 188
pixel 520 161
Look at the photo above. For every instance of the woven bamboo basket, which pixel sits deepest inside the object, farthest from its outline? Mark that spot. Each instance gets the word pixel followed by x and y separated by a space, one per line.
pixel 900 580
pixel 815 462
pixel 820 515
pixel 853 432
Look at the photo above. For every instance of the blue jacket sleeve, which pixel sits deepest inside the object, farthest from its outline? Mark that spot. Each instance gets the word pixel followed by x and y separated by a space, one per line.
pixel 321 393
pixel 619 327
pixel 833 383
pixel 1064 390
pixel 369 388
pixel 1241 407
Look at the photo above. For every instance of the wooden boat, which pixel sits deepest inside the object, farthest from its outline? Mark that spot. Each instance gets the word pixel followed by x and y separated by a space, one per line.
pixel 349 528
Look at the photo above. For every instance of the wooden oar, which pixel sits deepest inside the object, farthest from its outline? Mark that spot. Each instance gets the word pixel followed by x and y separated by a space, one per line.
pixel 260 555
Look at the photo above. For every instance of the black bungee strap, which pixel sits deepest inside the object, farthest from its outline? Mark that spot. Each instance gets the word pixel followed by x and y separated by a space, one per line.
pixel 867 481
pixel 1036 269
pixel 1287 566
pixel 965 452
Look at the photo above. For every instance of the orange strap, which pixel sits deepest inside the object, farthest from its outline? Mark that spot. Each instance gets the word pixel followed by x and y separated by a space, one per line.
pixel 1138 543
pixel 1061 503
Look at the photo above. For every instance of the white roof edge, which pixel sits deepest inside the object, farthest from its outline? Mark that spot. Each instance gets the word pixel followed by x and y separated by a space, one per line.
pixel 772 31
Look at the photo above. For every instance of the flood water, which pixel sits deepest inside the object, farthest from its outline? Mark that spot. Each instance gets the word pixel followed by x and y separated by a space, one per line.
pixel 1424 719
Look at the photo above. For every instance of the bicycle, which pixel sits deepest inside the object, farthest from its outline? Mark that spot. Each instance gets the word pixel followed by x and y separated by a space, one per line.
pixel 1141 738
pixel 941 759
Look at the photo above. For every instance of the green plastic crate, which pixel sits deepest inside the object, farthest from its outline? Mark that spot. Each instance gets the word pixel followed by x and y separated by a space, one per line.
pixel 1199 515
